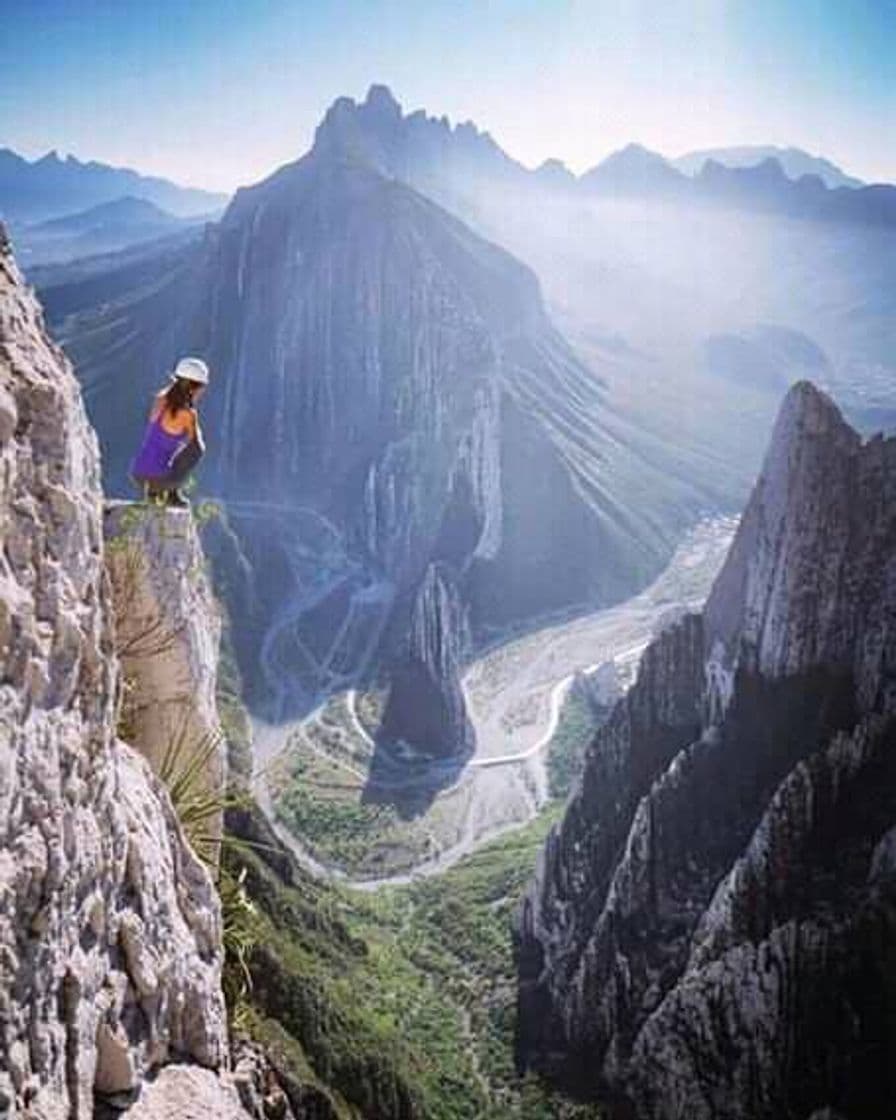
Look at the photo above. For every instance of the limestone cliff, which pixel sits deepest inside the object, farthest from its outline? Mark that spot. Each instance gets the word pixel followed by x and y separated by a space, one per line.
pixel 167 637
pixel 710 930
pixel 110 937
pixel 426 703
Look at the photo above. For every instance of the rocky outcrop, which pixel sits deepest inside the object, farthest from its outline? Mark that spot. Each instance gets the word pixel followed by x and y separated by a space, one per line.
pixel 453 164
pixel 167 637
pixel 182 1092
pixel 426 705
pixel 110 936
pixel 708 932
pixel 787 990
pixel 807 582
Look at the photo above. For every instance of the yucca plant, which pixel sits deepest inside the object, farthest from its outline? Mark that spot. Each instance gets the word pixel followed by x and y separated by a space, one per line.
pixel 183 769
pixel 240 936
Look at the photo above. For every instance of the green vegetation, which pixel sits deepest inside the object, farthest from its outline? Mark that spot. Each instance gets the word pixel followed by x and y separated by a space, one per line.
pixel 239 930
pixel 370 707
pixel 397 1003
pixel 341 826
pixel 335 734
pixel 235 724
pixel 184 767
pixel 579 719
pixel 317 787
pixel 320 801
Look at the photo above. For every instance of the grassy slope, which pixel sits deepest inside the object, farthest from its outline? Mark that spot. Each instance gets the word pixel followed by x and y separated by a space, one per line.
pixel 580 718
pixel 397 1004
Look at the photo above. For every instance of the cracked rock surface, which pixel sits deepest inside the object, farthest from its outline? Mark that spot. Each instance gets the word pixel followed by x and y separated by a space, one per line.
pixel 110 940
pixel 710 930
pixel 167 637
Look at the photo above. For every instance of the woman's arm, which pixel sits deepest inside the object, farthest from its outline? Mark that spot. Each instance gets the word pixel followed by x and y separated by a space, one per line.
pixel 195 430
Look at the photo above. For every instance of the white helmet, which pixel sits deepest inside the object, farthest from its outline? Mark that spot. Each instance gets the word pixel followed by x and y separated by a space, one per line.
pixel 192 369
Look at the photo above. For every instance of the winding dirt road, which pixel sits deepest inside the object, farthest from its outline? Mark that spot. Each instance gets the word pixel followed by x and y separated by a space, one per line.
pixel 515 694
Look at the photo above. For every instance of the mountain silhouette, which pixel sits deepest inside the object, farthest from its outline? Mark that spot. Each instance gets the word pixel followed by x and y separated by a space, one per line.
pixel 51 187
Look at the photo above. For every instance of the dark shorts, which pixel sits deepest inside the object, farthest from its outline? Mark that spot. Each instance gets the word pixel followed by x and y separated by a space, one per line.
pixel 181 465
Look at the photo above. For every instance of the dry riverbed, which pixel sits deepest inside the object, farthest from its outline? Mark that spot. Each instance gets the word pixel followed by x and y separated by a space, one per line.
pixel 310 776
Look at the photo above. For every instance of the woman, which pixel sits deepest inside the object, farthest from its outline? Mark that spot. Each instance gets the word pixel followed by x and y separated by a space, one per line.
pixel 172 442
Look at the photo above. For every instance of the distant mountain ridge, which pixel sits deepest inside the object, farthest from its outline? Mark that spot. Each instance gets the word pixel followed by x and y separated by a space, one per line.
pixel 107 227
pixel 125 209
pixel 634 169
pixel 794 162
pixel 51 187
pixel 767 187
pixel 451 162
pixel 444 160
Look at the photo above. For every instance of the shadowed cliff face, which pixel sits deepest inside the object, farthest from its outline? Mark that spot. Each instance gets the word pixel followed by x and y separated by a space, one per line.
pixel 707 934
pixel 389 399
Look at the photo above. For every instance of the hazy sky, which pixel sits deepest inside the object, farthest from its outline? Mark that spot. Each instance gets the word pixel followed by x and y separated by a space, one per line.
pixel 219 92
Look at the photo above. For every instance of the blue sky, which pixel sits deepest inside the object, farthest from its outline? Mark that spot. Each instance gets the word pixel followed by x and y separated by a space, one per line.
pixel 219 93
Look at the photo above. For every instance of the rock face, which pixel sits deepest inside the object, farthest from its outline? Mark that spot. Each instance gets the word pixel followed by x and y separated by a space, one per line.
pixel 426 686
pixel 711 926
pixel 389 400
pixel 167 637
pixel 449 163
pixel 110 938
pixel 188 1092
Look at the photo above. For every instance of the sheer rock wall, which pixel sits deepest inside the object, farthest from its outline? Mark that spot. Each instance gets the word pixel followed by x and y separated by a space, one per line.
pixel 710 930
pixel 110 934
pixel 167 636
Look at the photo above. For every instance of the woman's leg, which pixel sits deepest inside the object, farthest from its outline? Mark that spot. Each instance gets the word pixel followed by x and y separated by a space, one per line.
pixel 150 488
pixel 183 462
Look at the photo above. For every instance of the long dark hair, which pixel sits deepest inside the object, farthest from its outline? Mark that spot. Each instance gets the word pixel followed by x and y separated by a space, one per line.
pixel 179 394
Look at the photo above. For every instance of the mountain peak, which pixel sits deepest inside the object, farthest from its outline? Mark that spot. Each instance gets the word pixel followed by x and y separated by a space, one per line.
pixel 810 453
pixel 768 170
pixel 554 172
pixel 804 398
pixel 366 132
pixel 771 168
pixel 805 412
pixel 376 132
pixel 795 162
pixel 634 167
pixel 769 720
pixel 634 150
pixel 381 99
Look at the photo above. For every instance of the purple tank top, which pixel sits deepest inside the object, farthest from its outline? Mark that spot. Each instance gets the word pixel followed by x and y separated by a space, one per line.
pixel 159 447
